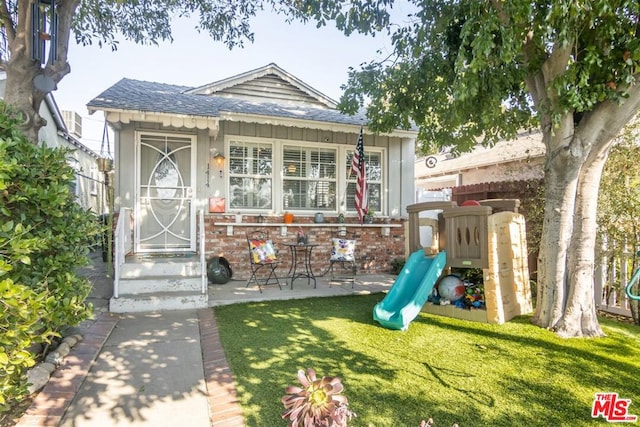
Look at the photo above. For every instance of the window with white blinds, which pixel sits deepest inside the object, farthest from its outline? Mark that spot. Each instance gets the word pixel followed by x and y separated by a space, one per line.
pixel 250 175
pixel 271 176
pixel 373 172
pixel 309 178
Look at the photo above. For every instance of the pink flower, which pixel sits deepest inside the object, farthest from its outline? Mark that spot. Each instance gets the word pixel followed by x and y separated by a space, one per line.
pixel 318 404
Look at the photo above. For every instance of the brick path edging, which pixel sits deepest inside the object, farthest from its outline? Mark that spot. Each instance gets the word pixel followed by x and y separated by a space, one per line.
pixel 51 403
pixel 225 410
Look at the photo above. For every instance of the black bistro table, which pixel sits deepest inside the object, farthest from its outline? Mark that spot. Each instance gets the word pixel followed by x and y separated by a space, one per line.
pixel 301 262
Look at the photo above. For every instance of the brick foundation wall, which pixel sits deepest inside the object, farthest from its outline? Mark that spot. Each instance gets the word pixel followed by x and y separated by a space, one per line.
pixel 375 252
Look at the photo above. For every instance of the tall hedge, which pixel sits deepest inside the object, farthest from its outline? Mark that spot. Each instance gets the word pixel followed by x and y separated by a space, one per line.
pixel 44 237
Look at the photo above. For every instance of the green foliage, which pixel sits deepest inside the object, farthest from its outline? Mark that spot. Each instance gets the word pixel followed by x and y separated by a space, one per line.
pixel 619 198
pixel 397 265
pixel 619 205
pixel 487 69
pixel 19 327
pixel 228 21
pixel 452 370
pixel 44 237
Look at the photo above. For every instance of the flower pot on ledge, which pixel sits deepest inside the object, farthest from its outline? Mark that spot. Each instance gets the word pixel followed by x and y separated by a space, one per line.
pixel 288 218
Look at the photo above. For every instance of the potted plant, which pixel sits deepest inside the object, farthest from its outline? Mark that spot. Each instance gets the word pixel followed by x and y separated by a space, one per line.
pixel 368 217
pixel 288 218
pixel 105 164
pixel 302 238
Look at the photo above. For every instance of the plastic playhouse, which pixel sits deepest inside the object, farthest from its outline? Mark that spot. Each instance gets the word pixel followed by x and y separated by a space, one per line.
pixel 488 235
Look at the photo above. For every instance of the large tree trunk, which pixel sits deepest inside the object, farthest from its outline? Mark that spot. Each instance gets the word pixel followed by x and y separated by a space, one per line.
pixel 20 92
pixel 573 168
pixel 22 96
pixel 562 168
pixel 580 315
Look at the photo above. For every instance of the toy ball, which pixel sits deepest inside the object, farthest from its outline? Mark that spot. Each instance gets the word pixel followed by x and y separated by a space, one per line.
pixel 451 287
pixel 470 203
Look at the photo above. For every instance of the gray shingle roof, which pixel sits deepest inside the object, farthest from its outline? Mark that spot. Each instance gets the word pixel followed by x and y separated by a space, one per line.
pixel 136 95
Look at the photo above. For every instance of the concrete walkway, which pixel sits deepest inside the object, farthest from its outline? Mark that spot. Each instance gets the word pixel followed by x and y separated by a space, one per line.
pixel 149 372
pixel 163 369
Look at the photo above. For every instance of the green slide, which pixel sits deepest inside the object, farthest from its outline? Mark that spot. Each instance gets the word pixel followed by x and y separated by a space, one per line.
pixel 410 290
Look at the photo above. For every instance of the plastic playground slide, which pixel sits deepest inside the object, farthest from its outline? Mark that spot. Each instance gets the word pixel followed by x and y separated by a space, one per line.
pixel 410 290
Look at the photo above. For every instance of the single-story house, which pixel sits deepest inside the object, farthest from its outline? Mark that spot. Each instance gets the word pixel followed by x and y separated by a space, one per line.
pixel 242 152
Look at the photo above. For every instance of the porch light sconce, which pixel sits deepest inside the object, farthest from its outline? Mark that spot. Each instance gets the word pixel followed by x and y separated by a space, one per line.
pixel 218 159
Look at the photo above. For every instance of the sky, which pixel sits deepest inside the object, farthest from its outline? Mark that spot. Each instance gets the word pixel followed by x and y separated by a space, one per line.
pixel 318 57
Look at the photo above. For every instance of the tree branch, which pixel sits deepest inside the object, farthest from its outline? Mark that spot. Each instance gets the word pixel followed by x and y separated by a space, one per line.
pixel 60 67
pixel 8 23
pixel 608 118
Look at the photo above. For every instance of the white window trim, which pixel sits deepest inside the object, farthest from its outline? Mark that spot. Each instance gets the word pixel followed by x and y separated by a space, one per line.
pixel 93 184
pixel 277 177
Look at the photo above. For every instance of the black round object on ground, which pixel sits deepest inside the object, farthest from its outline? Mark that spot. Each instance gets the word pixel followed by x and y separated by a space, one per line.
pixel 218 270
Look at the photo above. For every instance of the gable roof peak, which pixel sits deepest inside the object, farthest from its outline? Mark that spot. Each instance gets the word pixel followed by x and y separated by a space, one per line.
pixel 225 86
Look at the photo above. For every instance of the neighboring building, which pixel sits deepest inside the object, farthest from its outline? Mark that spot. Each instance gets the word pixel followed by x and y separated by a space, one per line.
pixel 89 183
pixel 508 170
pixel 517 160
pixel 244 150
pixel 73 121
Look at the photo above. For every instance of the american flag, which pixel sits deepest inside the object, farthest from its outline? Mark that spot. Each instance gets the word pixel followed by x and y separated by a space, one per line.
pixel 361 201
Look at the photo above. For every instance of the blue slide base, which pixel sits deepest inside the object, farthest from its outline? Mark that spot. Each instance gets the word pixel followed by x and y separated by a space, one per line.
pixel 410 291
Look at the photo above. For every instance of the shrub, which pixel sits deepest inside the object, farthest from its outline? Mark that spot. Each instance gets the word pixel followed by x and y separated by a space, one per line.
pixel 44 237
pixel 397 265
pixel 21 309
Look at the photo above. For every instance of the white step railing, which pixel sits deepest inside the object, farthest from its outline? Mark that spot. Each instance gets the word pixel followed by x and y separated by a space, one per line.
pixel 123 245
pixel 203 263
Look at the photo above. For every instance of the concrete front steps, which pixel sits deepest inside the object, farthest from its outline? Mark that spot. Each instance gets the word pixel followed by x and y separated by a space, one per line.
pixel 159 283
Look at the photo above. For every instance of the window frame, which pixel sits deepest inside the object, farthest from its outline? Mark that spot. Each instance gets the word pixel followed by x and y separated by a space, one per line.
pixel 343 153
pixel 351 179
pixel 243 141
pixel 308 164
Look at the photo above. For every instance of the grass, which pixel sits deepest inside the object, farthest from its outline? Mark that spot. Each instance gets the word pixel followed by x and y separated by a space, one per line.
pixel 452 370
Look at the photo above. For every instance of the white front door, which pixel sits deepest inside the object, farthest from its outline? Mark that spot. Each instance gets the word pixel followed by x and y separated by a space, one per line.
pixel 165 219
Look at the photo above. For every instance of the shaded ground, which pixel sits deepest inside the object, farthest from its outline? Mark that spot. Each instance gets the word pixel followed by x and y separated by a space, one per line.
pixel 101 291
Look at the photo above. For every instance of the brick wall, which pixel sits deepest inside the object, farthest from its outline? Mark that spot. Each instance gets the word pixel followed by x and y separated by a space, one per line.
pixel 374 251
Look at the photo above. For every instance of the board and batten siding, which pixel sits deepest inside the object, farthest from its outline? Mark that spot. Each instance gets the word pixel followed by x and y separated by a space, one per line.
pixel 399 160
pixel 271 88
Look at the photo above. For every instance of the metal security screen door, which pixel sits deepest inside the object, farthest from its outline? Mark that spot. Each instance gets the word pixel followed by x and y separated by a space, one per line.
pixel 165 218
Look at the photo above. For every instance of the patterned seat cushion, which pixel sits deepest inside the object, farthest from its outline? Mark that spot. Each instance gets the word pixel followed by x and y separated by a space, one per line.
pixel 342 249
pixel 263 251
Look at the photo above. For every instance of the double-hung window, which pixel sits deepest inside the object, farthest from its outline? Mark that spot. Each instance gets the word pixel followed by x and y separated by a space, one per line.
pixel 250 175
pixel 373 173
pixel 309 178
pixel 271 175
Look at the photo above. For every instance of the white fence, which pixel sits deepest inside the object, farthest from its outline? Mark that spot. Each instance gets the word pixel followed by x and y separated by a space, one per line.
pixel 611 278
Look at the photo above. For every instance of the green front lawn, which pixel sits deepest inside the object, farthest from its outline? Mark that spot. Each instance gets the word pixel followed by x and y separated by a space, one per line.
pixel 474 374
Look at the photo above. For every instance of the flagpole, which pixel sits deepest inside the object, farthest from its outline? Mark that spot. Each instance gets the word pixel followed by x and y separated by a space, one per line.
pixel 361 202
pixel 344 196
